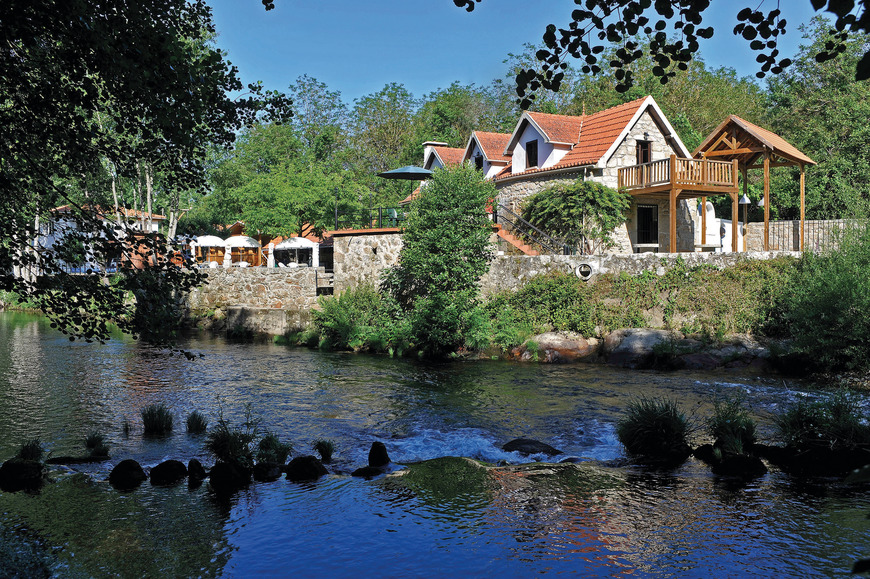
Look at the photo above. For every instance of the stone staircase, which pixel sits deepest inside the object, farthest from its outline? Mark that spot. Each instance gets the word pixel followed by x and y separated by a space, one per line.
pixel 514 240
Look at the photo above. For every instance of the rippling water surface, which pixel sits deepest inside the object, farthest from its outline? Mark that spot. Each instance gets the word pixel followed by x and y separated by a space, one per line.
pixel 591 520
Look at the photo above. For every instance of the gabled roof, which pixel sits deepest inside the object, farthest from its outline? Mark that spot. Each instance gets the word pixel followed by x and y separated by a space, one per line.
pixel 447 156
pixel 597 136
pixel 492 145
pixel 414 194
pixel 739 139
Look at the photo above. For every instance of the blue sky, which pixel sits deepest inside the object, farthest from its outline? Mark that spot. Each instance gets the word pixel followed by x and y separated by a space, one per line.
pixel 358 46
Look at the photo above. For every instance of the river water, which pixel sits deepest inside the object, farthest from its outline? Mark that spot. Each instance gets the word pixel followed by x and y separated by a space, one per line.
pixel 597 519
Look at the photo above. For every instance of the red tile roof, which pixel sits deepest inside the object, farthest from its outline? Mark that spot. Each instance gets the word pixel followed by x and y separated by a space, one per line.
pixel 493 145
pixel 595 134
pixel 450 155
pixel 411 197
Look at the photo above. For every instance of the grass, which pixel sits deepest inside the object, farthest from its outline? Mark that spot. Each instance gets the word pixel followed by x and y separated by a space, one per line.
pixel 157 419
pixel 837 422
pixel 96 444
pixel 271 449
pixel 325 448
pixel 653 428
pixel 197 423
pixel 731 426
pixel 31 450
pixel 233 444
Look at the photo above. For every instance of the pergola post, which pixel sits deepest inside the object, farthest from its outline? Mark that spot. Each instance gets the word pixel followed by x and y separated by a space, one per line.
pixel 735 215
pixel 766 200
pixel 803 216
pixel 744 174
pixel 672 243
pixel 703 220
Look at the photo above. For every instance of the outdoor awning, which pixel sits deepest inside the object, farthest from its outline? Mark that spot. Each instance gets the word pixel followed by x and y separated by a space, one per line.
pixel 410 173
pixel 210 241
pixel 242 241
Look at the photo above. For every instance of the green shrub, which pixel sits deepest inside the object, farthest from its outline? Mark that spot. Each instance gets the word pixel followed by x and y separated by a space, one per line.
pixel 825 313
pixel 836 423
pixel 96 444
pixel 731 426
pixel 361 318
pixel 271 449
pixel 156 419
pixel 653 428
pixel 231 444
pixel 197 423
pixel 325 448
pixel 31 450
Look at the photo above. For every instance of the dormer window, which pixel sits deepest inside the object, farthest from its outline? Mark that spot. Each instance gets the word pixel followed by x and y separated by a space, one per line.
pixel 531 154
pixel 478 161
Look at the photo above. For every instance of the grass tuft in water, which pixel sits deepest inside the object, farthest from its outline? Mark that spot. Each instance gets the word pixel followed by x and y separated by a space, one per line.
pixel 653 428
pixel 31 450
pixel 197 423
pixel 232 444
pixel 271 449
pixel 325 448
pixel 731 426
pixel 836 423
pixel 96 444
pixel 157 419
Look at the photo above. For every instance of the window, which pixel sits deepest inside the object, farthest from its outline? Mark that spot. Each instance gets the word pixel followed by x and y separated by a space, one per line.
pixel 478 162
pixel 644 152
pixel 531 154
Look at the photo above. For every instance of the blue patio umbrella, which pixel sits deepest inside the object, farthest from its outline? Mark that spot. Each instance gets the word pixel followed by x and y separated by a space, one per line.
pixel 410 173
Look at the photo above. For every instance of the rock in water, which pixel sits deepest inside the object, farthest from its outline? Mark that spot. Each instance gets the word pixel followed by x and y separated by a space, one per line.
pixel 267 471
pixel 368 471
pixel 528 446
pixel 378 456
pixel 18 474
pixel 195 470
pixel 304 468
pixel 127 475
pixel 227 477
pixel 168 473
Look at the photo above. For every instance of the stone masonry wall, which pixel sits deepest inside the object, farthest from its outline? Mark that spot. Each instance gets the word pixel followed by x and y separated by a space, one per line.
pixel 360 259
pixel 510 272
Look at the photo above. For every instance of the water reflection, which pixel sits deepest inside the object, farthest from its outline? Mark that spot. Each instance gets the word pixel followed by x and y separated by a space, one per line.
pixel 583 519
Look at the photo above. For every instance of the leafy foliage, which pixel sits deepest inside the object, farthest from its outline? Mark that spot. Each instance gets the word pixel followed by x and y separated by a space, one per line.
pixel 232 444
pixel 361 319
pixel 731 426
pixel 584 214
pixel 838 422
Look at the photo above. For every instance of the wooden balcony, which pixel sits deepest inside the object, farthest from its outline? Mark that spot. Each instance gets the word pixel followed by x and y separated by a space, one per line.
pixel 688 177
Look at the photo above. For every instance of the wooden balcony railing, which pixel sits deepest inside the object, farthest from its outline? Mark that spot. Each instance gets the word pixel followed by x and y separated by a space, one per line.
pixel 691 174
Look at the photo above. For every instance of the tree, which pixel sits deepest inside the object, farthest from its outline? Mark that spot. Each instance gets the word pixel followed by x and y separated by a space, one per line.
pixel 823 111
pixel 620 21
pixel 97 86
pixel 320 117
pixel 584 214
pixel 446 251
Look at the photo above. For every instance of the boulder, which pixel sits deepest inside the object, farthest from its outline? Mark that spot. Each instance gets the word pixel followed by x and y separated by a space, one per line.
pixel 195 471
pixel 127 475
pixel 741 466
pixel 378 455
pixel 368 471
pixel 227 477
pixel 527 446
pixel 168 472
pixel 561 347
pixel 19 474
pixel 267 471
pixel 304 468
pixel 633 347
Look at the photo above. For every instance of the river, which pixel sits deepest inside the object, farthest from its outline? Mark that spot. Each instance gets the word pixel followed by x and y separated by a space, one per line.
pixel 594 520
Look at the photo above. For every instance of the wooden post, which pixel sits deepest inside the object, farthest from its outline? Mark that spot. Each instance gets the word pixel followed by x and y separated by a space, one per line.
pixel 734 221
pixel 767 201
pixel 703 220
pixel 745 209
pixel 803 216
pixel 672 243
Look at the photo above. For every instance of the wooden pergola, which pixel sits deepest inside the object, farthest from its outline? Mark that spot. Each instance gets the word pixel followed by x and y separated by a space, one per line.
pixel 752 147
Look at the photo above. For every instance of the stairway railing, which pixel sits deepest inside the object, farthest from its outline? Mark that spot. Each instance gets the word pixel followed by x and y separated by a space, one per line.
pixel 502 214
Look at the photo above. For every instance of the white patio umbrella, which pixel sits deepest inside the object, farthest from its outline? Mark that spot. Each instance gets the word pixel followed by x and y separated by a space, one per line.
pixel 302 243
pixel 206 242
pixel 238 241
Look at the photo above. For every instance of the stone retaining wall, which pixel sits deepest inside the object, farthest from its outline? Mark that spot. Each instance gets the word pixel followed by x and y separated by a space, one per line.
pixel 509 272
pixel 361 258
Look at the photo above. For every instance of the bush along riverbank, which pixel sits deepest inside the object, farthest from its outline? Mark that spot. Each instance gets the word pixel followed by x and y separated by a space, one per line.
pixel 798 315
